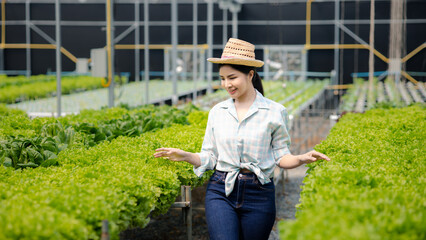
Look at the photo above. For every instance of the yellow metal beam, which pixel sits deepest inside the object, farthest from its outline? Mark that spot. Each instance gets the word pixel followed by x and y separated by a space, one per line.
pixel 414 52
pixel 40 46
pixel 68 54
pixel 308 22
pixel 348 46
pixel 158 46
pixel 337 87
pixel 407 76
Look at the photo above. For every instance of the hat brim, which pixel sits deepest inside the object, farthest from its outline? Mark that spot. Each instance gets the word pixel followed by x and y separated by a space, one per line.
pixel 237 61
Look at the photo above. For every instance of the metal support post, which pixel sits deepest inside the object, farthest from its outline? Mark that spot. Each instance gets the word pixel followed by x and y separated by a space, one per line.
pixel 235 24
pixel 3 33
pixel 146 50
pixel 58 56
pixel 110 50
pixel 202 65
pixel 305 65
pixel 266 66
pixel 188 220
pixel 28 37
pixel 225 27
pixel 194 47
pixel 210 44
pixel 137 42
pixel 186 205
pixel 105 230
pixel 336 38
pixel 174 50
pixel 166 65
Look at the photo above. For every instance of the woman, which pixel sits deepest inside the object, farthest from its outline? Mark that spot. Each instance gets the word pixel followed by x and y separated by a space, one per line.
pixel 246 137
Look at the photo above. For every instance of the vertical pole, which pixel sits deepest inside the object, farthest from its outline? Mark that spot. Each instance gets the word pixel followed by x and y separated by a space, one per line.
pixel 266 66
pixel 210 44
pixel 183 199
pixel 194 47
pixel 58 56
pixel 225 27
pixel 146 51
pixel 105 230
pixel 188 220
pixel 174 50
pixel 110 51
pixel 305 64
pixel 3 33
pixel 371 56
pixel 137 41
pixel 336 39
pixel 166 64
pixel 28 37
pixel 235 24
pixel 202 65
pixel 356 33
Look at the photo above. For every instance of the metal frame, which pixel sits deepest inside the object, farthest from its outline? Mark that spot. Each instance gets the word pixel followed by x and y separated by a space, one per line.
pixel 210 23
pixel 340 26
pixel 286 49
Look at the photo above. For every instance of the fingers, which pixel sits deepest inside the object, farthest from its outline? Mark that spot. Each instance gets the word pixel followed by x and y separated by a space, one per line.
pixel 319 155
pixel 162 149
pixel 162 152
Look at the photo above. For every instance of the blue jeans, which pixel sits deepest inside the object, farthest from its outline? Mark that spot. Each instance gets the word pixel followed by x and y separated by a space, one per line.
pixel 247 213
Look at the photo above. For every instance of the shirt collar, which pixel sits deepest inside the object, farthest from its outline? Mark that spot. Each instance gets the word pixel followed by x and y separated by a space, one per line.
pixel 259 102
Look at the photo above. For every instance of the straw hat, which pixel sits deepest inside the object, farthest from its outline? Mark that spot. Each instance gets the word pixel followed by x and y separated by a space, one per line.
pixel 238 52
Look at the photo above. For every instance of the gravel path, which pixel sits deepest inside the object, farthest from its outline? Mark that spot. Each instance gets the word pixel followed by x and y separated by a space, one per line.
pixel 287 198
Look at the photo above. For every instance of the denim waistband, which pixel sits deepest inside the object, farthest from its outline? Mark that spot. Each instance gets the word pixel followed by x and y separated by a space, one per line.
pixel 241 175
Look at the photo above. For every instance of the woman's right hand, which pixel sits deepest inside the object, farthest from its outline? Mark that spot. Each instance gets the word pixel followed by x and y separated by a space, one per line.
pixel 173 154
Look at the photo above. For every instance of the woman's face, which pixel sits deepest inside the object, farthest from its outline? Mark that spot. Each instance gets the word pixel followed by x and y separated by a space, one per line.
pixel 235 82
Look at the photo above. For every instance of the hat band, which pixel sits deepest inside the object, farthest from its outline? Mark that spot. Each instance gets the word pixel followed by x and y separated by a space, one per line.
pixel 228 57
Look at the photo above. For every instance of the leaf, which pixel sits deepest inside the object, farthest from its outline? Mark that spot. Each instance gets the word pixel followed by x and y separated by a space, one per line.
pixel 7 162
pixel 49 155
pixel 49 144
pixel 50 162
pixel 100 137
pixel 34 156
pixel 29 164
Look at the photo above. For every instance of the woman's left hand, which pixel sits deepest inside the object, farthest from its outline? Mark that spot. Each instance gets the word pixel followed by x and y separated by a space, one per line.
pixel 312 156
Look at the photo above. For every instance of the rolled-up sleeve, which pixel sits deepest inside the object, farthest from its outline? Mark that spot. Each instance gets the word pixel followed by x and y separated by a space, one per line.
pixel 208 154
pixel 280 138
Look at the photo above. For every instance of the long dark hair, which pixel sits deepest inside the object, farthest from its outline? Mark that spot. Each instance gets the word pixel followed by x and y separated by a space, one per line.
pixel 256 80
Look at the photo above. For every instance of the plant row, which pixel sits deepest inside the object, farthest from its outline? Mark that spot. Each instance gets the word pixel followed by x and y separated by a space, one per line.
pixel 43 87
pixel 118 180
pixel 131 94
pixel 374 185
pixel 31 143
pixel 388 93
pixel 21 80
pixel 115 179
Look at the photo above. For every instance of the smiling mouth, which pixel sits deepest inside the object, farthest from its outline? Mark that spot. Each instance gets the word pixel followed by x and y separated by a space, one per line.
pixel 232 91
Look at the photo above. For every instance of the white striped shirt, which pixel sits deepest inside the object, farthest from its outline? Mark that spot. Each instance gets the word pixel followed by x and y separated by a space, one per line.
pixel 256 143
